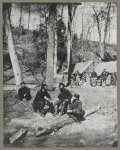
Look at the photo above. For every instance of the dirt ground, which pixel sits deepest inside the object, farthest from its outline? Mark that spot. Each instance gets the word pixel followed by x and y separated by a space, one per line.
pixel 98 130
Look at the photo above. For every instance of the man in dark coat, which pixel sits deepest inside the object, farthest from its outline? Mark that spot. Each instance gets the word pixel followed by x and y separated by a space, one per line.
pixel 103 76
pixel 64 98
pixel 75 110
pixel 93 74
pixel 41 99
pixel 93 78
pixel 24 92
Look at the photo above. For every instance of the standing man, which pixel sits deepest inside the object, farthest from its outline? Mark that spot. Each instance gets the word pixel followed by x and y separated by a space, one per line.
pixel 24 92
pixel 75 110
pixel 77 79
pixel 93 78
pixel 104 75
pixel 64 98
pixel 42 98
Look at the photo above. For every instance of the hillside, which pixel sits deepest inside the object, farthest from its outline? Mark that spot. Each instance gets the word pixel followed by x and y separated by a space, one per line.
pixel 31 47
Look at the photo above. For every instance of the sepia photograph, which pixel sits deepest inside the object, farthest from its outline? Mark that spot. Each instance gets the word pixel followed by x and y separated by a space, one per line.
pixel 59 74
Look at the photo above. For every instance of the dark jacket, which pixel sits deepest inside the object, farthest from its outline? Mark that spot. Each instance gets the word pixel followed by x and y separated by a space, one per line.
pixel 24 91
pixel 93 74
pixel 40 96
pixel 104 75
pixel 65 94
pixel 76 106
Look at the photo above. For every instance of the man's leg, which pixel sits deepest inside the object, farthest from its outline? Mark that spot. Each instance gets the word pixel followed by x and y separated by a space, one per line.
pixel 51 107
pixel 41 106
pixel 80 116
pixel 71 115
pixel 35 109
pixel 57 104
pixel 64 107
pixel 28 96
pixel 34 104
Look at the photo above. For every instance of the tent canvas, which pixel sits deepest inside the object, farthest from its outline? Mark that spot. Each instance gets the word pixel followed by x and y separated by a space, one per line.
pixel 81 67
pixel 109 66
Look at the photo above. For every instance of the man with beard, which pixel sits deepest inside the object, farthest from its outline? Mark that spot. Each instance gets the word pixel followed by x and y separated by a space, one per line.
pixel 64 98
pixel 103 76
pixel 93 78
pixel 75 110
pixel 24 92
pixel 41 99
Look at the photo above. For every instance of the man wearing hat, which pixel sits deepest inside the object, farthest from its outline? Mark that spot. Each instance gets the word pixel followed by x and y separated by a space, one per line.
pixel 75 110
pixel 24 92
pixel 103 76
pixel 41 99
pixel 64 98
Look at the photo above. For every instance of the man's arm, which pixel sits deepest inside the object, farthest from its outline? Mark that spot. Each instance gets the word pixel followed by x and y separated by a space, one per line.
pixel 78 109
pixel 47 95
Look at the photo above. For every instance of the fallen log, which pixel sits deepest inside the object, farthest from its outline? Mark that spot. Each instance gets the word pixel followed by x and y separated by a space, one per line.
pixel 18 136
pixel 65 120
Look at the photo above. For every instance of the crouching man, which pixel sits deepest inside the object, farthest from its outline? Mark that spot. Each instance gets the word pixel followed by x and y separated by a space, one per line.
pixel 64 98
pixel 41 99
pixel 24 92
pixel 75 110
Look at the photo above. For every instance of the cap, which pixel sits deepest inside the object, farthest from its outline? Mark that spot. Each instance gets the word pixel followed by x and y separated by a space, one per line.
pixel 61 84
pixel 76 95
pixel 22 83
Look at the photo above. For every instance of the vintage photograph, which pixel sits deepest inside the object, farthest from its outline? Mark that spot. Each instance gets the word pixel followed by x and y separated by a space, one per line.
pixel 60 74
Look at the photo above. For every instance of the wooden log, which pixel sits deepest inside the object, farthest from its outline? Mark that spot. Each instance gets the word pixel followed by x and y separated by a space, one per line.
pixel 18 136
pixel 61 123
pixel 93 110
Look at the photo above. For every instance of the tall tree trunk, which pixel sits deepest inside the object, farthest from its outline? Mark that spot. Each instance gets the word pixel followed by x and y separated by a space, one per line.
pixel 69 40
pixel 71 13
pixel 55 54
pixel 20 29
pixel 29 17
pixel 99 33
pixel 106 26
pixel 12 51
pixel 51 47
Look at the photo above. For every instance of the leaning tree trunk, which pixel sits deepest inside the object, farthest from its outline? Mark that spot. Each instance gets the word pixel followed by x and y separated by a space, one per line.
pixel 51 47
pixel 106 27
pixel 12 51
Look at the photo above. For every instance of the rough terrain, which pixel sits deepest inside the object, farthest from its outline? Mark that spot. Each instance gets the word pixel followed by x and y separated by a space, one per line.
pixel 99 129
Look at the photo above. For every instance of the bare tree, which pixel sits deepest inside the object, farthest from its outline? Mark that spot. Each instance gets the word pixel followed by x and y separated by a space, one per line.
pixel 11 48
pixel 28 16
pixel 99 31
pixel 106 25
pixel 71 13
pixel 51 47
pixel 20 29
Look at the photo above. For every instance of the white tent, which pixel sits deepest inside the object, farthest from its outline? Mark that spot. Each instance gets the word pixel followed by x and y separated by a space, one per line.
pixel 109 66
pixel 82 66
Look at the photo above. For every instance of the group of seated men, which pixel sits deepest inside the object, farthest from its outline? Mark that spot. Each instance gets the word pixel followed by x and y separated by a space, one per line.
pixel 65 104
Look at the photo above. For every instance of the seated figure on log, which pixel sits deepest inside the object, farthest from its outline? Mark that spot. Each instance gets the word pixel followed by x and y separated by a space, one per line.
pixel 64 98
pixel 24 92
pixel 75 110
pixel 41 99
